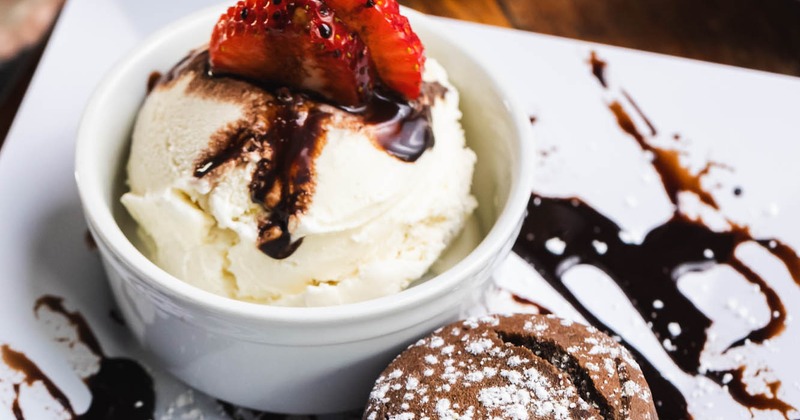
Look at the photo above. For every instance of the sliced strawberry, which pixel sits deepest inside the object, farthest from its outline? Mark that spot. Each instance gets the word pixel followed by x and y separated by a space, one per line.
pixel 293 43
pixel 397 53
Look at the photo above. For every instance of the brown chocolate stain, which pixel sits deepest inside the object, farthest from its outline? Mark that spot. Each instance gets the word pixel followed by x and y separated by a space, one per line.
pixel 738 390
pixel 120 389
pixel 88 239
pixel 19 362
pixel 282 133
pixel 523 301
pixel 650 271
pixel 285 138
pixel 786 254
pixel 403 129
pixel 645 272
pixel 598 68
pixel 153 80
pixel 653 131
pixel 666 162
pixel 116 317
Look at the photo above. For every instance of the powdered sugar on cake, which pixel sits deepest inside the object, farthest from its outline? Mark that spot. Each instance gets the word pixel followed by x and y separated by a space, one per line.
pixel 512 367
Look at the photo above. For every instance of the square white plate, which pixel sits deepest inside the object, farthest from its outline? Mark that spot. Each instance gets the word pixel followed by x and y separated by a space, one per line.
pixel 745 120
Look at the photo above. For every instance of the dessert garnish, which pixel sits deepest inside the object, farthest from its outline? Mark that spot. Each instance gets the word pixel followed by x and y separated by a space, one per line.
pixel 339 49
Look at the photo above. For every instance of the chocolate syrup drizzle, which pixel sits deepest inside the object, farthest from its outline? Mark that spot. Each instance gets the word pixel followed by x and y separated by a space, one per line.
pixel 287 142
pixel 403 129
pixel 598 68
pixel 650 271
pixel 288 133
pixel 523 301
pixel 121 389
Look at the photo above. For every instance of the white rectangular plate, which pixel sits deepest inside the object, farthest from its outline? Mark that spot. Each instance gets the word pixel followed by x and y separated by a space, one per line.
pixel 745 120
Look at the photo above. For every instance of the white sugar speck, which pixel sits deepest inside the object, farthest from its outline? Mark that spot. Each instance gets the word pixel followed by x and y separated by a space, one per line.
pixel 556 246
pixel 658 304
pixel 772 210
pixel 668 346
pixel 600 247
pixel 474 376
pixel 479 346
pixel 436 342
pixel 627 237
pixel 515 361
pixel 674 329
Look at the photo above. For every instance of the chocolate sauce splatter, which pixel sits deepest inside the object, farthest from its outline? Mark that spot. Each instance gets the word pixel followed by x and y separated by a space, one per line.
pixel 88 239
pixel 598 68
pixel 653 131
pixel 666 162
pixel 120 389
pixel 734 380
pixel 786 254
pixel 153 80
pixel 287 139
pixel 116 317
pixel 645 272
pixel 20 363
pixel 649 272
pixel 532 119
pixel 286 133
pixel 523 301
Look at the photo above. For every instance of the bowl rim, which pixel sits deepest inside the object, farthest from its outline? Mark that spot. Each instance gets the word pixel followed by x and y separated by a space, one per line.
pixel 103 225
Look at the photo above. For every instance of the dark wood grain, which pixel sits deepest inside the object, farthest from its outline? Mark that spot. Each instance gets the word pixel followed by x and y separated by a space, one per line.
pixel 15 77
pixel 759 34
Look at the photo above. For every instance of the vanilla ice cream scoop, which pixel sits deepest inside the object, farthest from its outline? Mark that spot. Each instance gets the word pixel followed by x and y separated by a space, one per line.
pixel 282 199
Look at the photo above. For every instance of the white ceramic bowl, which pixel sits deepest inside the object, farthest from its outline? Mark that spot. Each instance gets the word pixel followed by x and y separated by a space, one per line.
pixel 292 360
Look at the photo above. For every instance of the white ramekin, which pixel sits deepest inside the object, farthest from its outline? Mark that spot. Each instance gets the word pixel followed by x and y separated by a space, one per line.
pixel 292 360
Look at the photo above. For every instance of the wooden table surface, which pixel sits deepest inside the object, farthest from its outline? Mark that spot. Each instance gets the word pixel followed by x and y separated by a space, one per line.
pixel 759 34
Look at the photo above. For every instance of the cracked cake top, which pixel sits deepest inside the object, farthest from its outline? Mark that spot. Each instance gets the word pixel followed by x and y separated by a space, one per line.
pixel 513 367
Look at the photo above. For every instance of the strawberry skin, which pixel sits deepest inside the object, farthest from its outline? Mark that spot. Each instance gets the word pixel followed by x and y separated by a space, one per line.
pixel 397 53
pixel 293 43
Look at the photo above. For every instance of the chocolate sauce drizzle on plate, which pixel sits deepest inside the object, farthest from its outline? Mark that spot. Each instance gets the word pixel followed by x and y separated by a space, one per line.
pixel 524 301
pixel 598 68
pixel 649 271
pixel 288 133
pixel 121 388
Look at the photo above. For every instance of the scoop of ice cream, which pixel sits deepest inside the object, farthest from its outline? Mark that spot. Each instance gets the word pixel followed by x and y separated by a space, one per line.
pixel 282 199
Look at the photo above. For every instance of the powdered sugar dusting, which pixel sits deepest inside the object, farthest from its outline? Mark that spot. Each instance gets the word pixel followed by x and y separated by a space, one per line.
pixel 475 369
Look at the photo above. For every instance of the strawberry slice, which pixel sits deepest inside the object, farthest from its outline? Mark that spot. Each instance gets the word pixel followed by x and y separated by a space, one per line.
pixel 294 43
pixel 397 53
